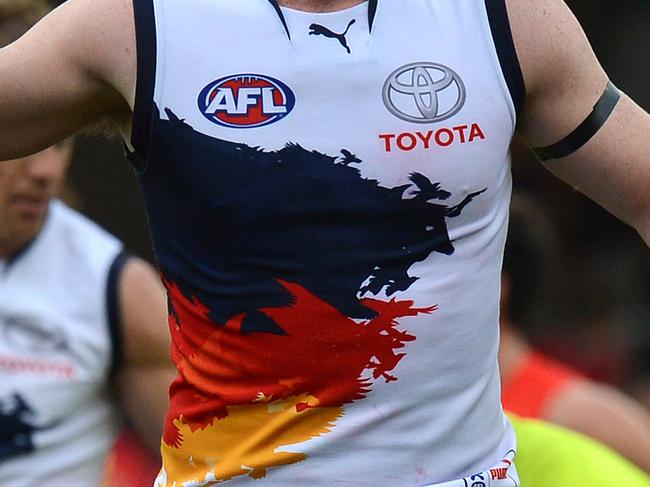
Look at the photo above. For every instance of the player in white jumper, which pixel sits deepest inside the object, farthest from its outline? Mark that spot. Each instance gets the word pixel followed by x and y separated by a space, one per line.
pixel 82 327
pixel 327 185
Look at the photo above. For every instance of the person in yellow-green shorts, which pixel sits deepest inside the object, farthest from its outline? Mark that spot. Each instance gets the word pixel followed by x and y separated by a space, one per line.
pixel 551 456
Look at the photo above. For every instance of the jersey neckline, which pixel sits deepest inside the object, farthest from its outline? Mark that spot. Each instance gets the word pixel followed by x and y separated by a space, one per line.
pixel 371 5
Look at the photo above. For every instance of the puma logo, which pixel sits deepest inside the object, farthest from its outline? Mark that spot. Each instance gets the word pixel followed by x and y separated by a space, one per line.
pixel 319 30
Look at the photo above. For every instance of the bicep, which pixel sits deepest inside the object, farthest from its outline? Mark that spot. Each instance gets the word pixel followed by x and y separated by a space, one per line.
pixel 613 168
pixel 61 77
pixel 562 75
pixel 564 81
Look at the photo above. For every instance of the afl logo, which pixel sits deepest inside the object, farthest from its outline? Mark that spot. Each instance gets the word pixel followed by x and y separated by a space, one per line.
pixel 424 93
pixel 246 101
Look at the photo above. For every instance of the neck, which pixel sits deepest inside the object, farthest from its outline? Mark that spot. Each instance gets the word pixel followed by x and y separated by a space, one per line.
pixel 320 6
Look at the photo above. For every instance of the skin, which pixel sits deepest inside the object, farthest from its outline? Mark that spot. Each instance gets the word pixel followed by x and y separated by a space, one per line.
pixel 143 380
pixel 26 187
pixel 319 6
pixel 564 80
pixel 599 411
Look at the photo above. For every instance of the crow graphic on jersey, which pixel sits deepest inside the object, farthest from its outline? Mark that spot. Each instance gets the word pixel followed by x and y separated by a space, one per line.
pixel 295 263
pixel 17 426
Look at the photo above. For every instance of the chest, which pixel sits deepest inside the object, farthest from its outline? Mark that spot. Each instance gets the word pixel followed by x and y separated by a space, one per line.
pixel 420 91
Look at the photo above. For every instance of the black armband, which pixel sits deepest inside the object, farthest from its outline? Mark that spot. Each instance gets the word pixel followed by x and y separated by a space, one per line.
pixel 586 130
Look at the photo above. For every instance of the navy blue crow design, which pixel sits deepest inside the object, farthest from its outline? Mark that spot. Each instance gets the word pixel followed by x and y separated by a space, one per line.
pixel 237 218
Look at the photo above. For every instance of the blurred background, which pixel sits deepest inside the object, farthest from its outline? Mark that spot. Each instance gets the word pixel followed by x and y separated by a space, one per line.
pixel 595 309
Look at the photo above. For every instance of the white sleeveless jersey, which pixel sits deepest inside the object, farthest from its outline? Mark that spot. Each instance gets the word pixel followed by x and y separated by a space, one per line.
pixel 328 198
pixel 57 422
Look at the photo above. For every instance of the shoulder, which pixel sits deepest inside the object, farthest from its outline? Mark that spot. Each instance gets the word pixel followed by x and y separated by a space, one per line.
pixel 548 37
pixel 562 75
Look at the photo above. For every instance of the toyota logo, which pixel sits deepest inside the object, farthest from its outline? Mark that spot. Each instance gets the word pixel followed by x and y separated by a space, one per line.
pixel 424 92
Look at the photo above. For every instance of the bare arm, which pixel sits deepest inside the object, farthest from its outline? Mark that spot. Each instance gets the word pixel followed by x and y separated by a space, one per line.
pixel 564 80
pixel 606 415
pixel 73 69
pixel 143 380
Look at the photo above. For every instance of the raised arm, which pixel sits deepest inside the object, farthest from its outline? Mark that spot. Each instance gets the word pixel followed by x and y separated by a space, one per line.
pixel 564 81
pixel 74 69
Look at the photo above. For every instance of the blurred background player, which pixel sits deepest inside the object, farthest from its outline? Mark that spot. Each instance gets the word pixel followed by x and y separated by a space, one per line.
pixel 83 324
pixel 535 385
pixel 551 456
